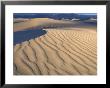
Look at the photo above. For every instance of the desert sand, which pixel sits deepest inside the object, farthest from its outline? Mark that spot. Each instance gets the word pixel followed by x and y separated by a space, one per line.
pixel 39 23
pixel 70 51
pixel 18 20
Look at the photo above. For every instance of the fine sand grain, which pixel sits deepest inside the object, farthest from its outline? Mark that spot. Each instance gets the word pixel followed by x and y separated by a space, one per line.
pixel 59 52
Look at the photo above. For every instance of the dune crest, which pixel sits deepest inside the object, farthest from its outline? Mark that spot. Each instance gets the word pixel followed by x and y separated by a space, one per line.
pixel 59 52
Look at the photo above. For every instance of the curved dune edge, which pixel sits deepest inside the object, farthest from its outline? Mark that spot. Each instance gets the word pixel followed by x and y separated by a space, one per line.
pixel 59 52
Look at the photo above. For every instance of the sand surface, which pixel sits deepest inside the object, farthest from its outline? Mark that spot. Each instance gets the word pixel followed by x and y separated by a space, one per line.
pixel 39 23
pixel 18 20
pixel 58 52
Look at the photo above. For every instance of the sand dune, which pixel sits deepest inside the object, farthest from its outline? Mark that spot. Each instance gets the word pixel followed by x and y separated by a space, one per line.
pixel 41 23
pixel 18 20
pixel 59 52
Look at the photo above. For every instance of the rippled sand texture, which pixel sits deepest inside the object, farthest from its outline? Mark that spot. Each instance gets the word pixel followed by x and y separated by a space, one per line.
pixel 59 52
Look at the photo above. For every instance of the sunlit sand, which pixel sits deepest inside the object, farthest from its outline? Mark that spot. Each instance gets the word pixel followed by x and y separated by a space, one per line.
pixel 61 51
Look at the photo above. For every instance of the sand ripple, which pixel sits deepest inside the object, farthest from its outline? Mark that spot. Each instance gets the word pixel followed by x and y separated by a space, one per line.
pixel 59 52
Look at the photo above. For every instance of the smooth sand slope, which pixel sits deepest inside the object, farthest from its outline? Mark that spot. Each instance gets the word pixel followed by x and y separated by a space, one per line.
pixel 39 23
pixel 59 52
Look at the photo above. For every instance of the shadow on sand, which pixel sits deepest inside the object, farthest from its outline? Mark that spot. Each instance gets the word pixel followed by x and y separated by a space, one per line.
pixel 21 36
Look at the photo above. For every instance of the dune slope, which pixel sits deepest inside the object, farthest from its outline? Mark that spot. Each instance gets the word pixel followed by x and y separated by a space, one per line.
pixel 39 23
pixel 59 52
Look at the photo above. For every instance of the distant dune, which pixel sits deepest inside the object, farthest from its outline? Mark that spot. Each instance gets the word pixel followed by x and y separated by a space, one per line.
pixel 58 52
pixel 41 23
pixel 18 20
